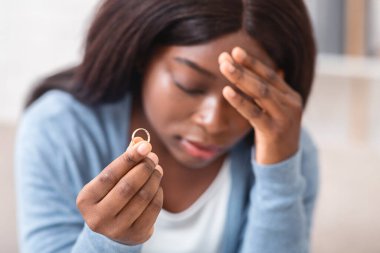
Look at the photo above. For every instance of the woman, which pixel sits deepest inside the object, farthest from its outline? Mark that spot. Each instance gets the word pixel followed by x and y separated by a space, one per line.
pixel 221 86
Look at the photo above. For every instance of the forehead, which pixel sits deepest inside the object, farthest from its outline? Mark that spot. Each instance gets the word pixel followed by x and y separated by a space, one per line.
pixel 211 50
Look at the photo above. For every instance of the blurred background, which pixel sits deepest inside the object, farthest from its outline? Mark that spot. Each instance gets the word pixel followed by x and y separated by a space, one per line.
pixel 40 37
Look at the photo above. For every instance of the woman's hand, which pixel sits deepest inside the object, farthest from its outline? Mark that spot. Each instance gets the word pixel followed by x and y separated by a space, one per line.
pixel 270 105
pixel 124 200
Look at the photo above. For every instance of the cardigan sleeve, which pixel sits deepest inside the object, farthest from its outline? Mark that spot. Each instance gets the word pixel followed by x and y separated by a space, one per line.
pixel 282 202
pixel 50 171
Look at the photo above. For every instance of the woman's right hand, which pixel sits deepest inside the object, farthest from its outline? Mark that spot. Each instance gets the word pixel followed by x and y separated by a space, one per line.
pixel 124 200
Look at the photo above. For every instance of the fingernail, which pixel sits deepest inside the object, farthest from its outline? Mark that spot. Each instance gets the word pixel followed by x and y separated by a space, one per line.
pixel 230 68
pixel 224 57
pixel 134 141
pixel 242 53
pixel 143 149
pixel 229 92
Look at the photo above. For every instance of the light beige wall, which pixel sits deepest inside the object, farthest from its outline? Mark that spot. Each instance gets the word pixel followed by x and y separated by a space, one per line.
pixel 8 234
pixel 343 116
pixel 374 27
pixel 36 38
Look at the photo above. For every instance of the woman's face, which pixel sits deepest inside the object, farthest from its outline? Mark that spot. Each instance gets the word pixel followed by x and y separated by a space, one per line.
pixel 183 101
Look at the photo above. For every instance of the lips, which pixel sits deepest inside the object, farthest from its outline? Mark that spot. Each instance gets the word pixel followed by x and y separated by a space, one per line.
pixel 199 150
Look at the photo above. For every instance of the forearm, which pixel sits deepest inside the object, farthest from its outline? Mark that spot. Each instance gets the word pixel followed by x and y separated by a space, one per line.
pixel 276 219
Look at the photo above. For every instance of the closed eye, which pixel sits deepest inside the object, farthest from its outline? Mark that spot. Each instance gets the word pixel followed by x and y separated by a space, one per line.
pixel 189 91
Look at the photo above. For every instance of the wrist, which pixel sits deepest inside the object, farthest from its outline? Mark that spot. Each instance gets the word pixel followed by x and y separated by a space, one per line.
pixel 273 154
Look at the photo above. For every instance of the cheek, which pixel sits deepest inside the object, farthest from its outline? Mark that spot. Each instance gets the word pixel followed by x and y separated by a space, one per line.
pixel 163 105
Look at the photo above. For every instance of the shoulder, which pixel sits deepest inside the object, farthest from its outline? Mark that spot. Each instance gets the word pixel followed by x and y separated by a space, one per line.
pixel 55 106
pixel 59 113
pixel 50 134
pixel 63 142
pixel 69 135
pixel 56 120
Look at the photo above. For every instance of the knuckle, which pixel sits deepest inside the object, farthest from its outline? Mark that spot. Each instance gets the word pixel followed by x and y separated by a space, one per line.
pixel 94 223
pixel 144 195
pixel 153 157
pixel 129 157
pixel 271 76
pixel 148 165
pixel 114 232
pixel 157 175
pixel 107 177
pixel 127 189
pixel 81 201
pixel 264 90
pixel 255 111
pixel 158 200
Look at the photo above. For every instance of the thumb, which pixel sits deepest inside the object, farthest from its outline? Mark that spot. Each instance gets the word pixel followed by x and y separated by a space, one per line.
pixel 135 141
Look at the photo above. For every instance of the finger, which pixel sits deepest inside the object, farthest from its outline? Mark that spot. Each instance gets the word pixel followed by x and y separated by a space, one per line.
pixel 136 206
pixel 127 187
pixel 159 168
pixel 108 178
pixel 225 57
pixel 240 56
pixel 145 222
pixel 268 98
pixel 135 140
pixel 248 109
pixel 151 155
pixel 287 93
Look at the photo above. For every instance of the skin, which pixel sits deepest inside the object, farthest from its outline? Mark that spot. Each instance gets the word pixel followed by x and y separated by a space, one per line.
pixel 213 94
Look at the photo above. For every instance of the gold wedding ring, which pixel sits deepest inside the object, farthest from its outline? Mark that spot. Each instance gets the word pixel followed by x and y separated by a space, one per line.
pixel 141 129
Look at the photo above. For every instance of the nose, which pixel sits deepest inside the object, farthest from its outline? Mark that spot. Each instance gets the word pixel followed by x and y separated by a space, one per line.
pixel 212 115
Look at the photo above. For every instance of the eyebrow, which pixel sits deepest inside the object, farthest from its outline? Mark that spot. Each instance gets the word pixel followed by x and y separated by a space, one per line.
pixel 194 66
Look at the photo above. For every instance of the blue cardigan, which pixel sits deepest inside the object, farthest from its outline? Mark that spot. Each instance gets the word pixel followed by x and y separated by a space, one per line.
pixel 62 144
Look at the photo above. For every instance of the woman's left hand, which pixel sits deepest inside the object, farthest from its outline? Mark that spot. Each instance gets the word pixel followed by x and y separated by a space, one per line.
pixel 269 104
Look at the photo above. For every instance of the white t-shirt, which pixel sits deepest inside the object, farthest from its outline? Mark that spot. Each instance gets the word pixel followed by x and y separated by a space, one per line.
pixel 198 228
